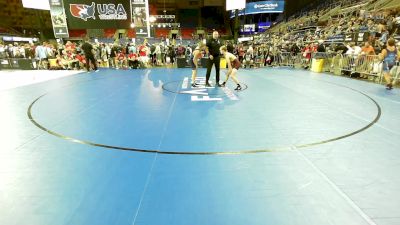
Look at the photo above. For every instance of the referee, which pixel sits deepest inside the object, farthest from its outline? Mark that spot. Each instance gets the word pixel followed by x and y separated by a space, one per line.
pixel 88 50
pixel 212 50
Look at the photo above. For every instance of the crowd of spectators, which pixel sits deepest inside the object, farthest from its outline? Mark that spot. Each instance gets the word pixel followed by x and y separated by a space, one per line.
pixel 358 33
pixel 113 55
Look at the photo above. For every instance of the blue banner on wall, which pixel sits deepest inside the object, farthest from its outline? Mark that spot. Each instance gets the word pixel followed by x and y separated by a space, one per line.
pixel 264 26
pixel 262 7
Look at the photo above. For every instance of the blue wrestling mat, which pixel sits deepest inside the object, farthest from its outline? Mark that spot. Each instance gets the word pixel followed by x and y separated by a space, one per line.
pixel 142 147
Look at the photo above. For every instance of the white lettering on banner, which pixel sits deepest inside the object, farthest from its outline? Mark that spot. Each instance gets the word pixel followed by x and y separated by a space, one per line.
pixel 164 16
pixel 112 17
pixel 55 3
pixel 141 31
pixel 138 2
pixel 196 98
pixel 266 6
pixel 111 12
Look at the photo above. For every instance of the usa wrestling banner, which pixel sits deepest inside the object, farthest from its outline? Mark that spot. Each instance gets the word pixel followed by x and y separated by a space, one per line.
pixel 58 19
pixel 98 14
pixel 140 17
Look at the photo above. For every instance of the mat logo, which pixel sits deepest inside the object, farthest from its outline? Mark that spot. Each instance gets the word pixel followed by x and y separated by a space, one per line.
pixel 111 12
pixel 82 11
pixel 201 94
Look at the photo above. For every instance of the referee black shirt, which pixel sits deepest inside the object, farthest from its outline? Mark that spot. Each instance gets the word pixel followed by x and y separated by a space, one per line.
pixel 87 48
pixel 213 47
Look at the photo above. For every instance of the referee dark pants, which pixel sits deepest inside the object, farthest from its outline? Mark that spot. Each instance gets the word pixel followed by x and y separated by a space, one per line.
pixel 90 58
pixel 210 63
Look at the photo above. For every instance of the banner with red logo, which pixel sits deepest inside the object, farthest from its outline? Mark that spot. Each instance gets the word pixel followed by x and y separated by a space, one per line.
pixel 98 14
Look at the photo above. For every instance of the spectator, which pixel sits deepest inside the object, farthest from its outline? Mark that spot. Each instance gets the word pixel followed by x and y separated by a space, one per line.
pixel 368 49
pixel 158 55
pixel 133 60
pixel 2 52
pixel 353 49
pixel 294 49
pixel 113 54
pixel 132 48
pixel 171 54
pixel 121 60
pixel 41 54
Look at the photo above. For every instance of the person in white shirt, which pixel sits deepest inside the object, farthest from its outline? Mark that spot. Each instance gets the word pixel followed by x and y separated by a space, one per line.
pixel 353 49
pixel 22 51
pixel 41 55
pixel 157 52
pixel 15 49
pixel 2 52
pixel 251 51
pixel 111 61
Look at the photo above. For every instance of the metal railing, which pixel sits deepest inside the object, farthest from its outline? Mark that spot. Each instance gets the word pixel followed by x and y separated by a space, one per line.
pixel 370 66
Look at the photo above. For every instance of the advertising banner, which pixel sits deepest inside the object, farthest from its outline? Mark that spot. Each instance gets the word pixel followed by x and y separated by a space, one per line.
pixel 140 17
pixel 262 7
pixel 263 26
pixel 248 29
pixel 98 14
pixel 58 19
pixel 336 38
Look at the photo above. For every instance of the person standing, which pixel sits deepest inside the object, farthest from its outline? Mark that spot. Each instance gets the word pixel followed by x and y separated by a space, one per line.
pixel 158 55
pixel 41 55
pixel 233 67
pixel 2 51
pixel 389 56
pixel 213 46
pixel 195 56
pixel 171 54
pixel 89 55
pixel 113 54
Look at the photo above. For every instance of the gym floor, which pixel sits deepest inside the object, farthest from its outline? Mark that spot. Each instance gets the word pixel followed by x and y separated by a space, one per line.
pixel 141 147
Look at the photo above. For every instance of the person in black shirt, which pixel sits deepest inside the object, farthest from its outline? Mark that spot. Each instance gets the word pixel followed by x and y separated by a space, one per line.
pixel 172 54
pixel 321 47
pixel 294 49
pixel 114 52
pixel 213 46
pixel 88 50
pixel 341 48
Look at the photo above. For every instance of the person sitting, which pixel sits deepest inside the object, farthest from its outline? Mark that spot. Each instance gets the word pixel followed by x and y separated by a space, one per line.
pixel 121 60
pixel 18 54
pixel 81 61
pixel 248 60
pixel 143 55
pixel 133 61
pixel 71 60
pixel 59 65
